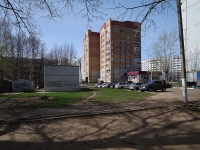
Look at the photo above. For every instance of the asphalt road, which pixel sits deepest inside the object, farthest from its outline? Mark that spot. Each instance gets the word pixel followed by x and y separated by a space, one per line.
pixel 193 94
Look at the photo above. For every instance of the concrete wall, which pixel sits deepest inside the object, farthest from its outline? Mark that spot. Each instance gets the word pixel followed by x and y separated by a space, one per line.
pixel 61 78
pixel 22 85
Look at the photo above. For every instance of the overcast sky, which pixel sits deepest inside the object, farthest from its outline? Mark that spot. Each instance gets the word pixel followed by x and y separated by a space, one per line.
pixel 71 28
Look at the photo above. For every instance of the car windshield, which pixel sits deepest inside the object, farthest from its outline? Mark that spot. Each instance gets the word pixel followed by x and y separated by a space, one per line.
pixel 150 82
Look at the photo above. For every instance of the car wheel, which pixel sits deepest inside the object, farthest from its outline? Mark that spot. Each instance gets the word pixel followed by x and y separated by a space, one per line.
pixel 150 90
pixel 122 87
pixel 155 90
pixel 163 89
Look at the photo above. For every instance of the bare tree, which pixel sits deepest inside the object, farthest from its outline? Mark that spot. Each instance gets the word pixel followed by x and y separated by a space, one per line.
pixel 145 12
pixel 6 50
pixel 193 64
pixel 64 55
pixel 22 12
pixel 163 48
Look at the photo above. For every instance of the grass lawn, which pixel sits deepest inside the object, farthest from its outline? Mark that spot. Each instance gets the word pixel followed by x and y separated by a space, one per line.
pixel 52 99
pixel 110 95
pixel 62 99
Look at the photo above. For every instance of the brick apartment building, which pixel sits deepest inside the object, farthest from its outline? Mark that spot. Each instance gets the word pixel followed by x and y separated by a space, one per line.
pixel 120 49
pixel 91 57
pixel 113 52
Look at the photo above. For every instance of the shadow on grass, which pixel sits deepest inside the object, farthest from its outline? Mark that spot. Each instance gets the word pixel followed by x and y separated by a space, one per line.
pixel 85 89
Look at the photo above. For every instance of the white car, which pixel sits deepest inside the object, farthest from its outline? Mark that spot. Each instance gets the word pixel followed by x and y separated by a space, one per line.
pixel 122 85
pixel 135 86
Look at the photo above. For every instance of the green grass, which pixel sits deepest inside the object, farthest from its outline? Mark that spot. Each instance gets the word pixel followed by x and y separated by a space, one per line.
pixel 62 99
pixel 54 99
pixel 177 84
pixel 106 96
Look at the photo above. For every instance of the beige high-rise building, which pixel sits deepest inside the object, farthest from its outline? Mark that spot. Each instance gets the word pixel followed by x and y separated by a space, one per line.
pixel 120 49
pixel 90 60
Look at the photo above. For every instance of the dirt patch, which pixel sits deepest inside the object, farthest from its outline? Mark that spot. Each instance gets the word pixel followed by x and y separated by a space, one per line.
pixel 161 128
pixel 165 96
pixel 21 102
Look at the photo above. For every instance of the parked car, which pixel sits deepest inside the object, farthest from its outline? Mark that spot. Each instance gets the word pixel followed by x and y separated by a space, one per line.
pixel 109 85
pixel 135 86
pixel 96 84
pixel 122 85
pixel 153 85
pixel 106 85
pixel 112 85
pixel 100 85
pixel 168 85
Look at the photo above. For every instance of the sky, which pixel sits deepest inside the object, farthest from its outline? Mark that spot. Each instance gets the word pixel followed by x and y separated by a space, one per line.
pixel 72 29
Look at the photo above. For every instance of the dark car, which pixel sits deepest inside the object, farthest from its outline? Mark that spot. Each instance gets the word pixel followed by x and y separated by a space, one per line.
pixel 153 85
pixel 112 85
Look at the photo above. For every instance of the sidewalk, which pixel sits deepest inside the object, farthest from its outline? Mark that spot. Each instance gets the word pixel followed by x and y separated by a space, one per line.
pixel 80 110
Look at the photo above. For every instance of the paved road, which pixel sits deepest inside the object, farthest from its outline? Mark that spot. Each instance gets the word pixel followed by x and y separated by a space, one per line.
pixel 193 94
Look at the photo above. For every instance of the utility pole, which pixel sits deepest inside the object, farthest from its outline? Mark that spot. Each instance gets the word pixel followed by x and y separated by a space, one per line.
pixel 182 52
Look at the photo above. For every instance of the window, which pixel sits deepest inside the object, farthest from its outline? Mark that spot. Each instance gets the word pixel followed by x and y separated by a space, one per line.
pixel 108 36
pixel 128 48
pixel 127 43
pixel 108 59
pixel 122 59
pixel 128 32
pixel 121 36
pixel 137 59
pixel 137 32
pixel 108 42
pixel 108 30
pixel 122 54
pixel 107 54
pixel 137 66
pixel 128 66
pixel 137 49
pixel 121 31
pixel 121 48
pixel 128 60
pixel 122 65
pixel 137 44
pixel 138 55
pixel 128 54
pixel 107 71
pixel 122 42
pixel 137 38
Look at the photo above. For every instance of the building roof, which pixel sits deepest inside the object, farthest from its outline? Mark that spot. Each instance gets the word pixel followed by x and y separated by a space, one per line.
pixel 136 73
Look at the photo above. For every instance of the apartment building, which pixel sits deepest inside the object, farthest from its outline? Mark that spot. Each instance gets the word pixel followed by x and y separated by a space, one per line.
pixel 156 65
pixel 175 68
pixel 120 49
pixel 191 30
pixel 91 57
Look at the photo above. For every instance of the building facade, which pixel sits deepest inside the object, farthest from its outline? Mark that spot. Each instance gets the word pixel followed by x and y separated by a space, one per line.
pixel 175 68
pixel 156 65
pixel 120 50
pixel 91 57
pixel 191 31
